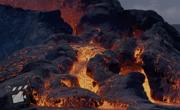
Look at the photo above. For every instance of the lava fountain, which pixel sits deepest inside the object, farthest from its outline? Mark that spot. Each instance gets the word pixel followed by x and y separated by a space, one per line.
pixel 84 54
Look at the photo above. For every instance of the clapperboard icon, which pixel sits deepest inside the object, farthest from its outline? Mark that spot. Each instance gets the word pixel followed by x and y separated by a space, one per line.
pixel 19 94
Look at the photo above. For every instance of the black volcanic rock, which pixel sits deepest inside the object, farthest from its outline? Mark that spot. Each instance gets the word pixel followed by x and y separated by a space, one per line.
pixel 41 66
pixel 56 57
pixel 117 88
pixel 102 14
pixel 36 82
pixel 64 37
pixel 124 48
pixel 126 89
pixel 175 35
pixel 161 62
pixel 177 26
pixel 113 3
pixel 75 98
pixel 105 39
pixel 144 19
pixel 101 67
pixel 21 28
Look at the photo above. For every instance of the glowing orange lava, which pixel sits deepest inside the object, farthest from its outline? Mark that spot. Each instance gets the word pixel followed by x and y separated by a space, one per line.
pixel 119 106
pixel 137 55
pixel 85 52
pixel 136 66
pixel 41 100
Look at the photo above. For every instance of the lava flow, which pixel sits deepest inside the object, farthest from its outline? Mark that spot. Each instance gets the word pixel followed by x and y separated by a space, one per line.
pixel 136 67
pixel 84 54
pixel 137 55
pixel 119 106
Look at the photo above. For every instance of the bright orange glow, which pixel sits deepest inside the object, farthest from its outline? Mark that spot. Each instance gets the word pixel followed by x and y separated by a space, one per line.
pixel 119 106
pixel 85 52
pixel 40 100
pixel 147 88
pixel 72 13
pixel 137 55
pixel 135 68
pixel 68 83
pixel 44 101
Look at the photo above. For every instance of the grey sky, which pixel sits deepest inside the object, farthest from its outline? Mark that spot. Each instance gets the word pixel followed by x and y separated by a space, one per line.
pixel 169 9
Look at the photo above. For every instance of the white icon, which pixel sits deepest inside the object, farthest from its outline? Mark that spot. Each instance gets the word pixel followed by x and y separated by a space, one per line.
pixel 19 97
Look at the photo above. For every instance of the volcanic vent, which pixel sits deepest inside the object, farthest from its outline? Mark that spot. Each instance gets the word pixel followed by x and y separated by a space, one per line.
pixel 87 54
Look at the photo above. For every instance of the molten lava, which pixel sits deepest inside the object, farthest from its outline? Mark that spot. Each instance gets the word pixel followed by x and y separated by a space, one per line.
pixel 41 100
pixel 119 106
pixel 84 54
pixel 137 55
pixel 136 67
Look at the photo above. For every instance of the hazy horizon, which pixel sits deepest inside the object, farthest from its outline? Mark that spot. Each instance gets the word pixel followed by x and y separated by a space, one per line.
pixel 168 9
